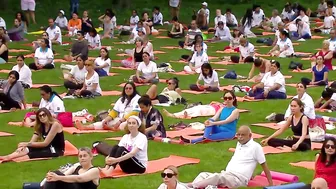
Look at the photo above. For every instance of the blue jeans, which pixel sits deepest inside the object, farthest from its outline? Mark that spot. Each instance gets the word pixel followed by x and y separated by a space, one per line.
pixel 215 134
pixel 101 72
pixel 306 36
pixel 259 94
pixel 73 8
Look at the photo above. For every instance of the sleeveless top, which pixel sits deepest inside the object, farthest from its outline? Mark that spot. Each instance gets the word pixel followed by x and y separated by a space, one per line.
pixel 4 55
pixel 326 62
pixel 297 129
pixel 229 127
pixel 58 141
pixel 85 185
pixel 138 55
pixel 326 172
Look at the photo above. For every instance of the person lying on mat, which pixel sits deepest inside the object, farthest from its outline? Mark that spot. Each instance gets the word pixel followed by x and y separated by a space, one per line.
pixel 225 127
pixel 209 78
pixel 47 140
pixel 284 46
pixel 37 43
pixel 44 57
pixel 272 85
pixel 131 152
pixel 3 50
pixel 82 176
pixel 199 57
pixel 327 100
pixel 319 74
pixel 79 47
pixel 326 54
pixel 169 177
pixel 146 71
pixel 17 32
pixel 24 72
pixel 170 94
pixel 91 86
pixel 93 39
pixel 137 54
pixel 177 30
pixel 126 106
pixel 50 100
pixel 240 169
pixel 12 93
pixel 263 65
pixel 75 78
pixel 103 63
pixel 299 125
pixel 152 118
pixel 246 50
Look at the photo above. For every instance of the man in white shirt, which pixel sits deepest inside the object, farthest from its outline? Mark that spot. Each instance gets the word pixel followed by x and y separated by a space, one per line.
pixel 321 8
pixel 287 14
pixel 240 169
pixel 331 6
pixel 2 23
pixel 190 37
pixel 61 21
pixel 207 11
pixel 219 17
pixel 134 19
pixel 303 29
pixel 332 41
pixel 231 20
pixel 246 52
pixel 258 17
pixel 54 32
pixel 222 33
pixel 157 17
pixel 174 8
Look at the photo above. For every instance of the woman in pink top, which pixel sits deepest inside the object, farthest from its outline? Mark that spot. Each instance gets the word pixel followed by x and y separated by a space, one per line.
pixel 326 54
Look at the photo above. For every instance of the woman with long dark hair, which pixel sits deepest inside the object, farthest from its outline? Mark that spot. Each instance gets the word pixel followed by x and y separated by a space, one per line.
pixel 12 93
pixel 44 57
pixel 103 63
pixel 172 93
pixel 209 77
pixel 24 72
pixel 246 24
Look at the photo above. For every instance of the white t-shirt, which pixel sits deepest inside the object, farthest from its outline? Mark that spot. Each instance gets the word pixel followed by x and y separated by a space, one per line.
pixel 209 80
pixel 220 18
pixel 99 62
pixel 52 32
pixel 304 18
pixel 178 186
pixel 283 43
pixel 269 81
pixel 205 47
pixel 333 9
pixel 135 32
pixel 93 42
pixel 309 109
pixel 174 3
pixel 134 20
pixel 328 22
pixel 322 7
pixel 62 22
pixel 2 23
pixel 123 110
pixel 55 105
pixel 25 74
pixel 158 18
pixel 232 19
pixel 245 159
pixel 245 51
pixel 148 70
pixel 223 34
pixel 140 142
pixel 275 21
pixel 43 56
pixel 89 83
pixel 199 59
pixel 78 74
pixel 287 15
pixel 332 45
pixel 305 29
pixel 257 18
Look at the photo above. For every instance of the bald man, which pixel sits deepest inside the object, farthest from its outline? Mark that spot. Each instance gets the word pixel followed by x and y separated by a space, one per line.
pixel 240 169
pixel 246 50
pixel 318 183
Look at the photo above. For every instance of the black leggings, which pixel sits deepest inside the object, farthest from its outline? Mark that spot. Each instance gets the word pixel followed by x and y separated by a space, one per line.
pixel 306 81
pixel 194 87
pixel 131 165
pixel 8 102
pixel 276 142
pixel 175 36
pixel 71 85
pixel 61 184
pixel 47 66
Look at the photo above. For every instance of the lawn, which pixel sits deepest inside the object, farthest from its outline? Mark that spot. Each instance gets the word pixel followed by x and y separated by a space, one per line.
pixel 213 156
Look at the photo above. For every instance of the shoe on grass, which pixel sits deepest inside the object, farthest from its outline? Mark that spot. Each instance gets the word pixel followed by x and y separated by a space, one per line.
pixel 271 117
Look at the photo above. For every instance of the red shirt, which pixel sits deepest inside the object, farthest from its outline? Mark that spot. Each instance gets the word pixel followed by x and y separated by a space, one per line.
pixel 328 173
pixel 327 62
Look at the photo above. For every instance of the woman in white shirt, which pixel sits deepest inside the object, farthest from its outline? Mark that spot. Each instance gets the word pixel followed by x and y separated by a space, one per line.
pixel 210 79
pixel 169 177
pixel 24 72
pixel 272 24
pixel 131 152
pixel 246 23
pixel 91 85
pixel 148 47
pixel 103 63
pixel 303 29
pixel 93 39
pixel 147 71
pixel 284 46
pixel 36 44
pixel 272 86
pixel 198 59
pixel 328 23
pixel 76 76
pixel 44 57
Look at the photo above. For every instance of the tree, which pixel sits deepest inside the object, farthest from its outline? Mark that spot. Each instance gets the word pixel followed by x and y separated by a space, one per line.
pixel 3 4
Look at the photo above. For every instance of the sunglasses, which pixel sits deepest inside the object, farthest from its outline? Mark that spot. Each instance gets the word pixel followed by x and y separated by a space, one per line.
pixel 169 175
pixel 43 115
pixel 170 83
pixel 327 146
pixel 228 98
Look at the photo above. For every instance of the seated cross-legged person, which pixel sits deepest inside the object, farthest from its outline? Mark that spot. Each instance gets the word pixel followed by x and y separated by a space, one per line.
pixel 246 50
pixel 197 60
pixel 103 63
pixel 146 71
pixel 54 32
pixel 4 51
pixel 240 169
pixel 298 122
pixel 327 99
pixel 209 77
pixel 272 85
pixel 319 74
pixel 91 87
pixel 222 33
pixel 263 65
pixel 24 72
pixel 74 24
pixel 76 77
pixel 79 48
pixel 93 39
pixel 44 57
pixel 52 144
pixel 12 93
pixel 303 29
pixel 170 180
pixel 328 23
pixel 177 30
pixel 225 127
pixel 284 46
pixel 170 94
pixel 326 53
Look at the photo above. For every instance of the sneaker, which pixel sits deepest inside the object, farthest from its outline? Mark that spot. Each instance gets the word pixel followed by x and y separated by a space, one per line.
pixel 301 39
pixel 271 117
pixel 65 167
pixel 69 97
pixel 241 77
pixel 94 152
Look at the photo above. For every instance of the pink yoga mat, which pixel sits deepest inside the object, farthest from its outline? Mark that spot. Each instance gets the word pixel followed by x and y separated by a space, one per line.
pixel 35 86
pixel 224 62
pixel 283 176
pixel 170 47
pixel 159 52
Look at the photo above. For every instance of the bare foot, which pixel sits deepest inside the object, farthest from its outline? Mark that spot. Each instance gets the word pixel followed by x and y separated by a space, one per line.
pixel 106 171
pixel 79 125
pixel 168 113
pixel 248 97
pixel 185 114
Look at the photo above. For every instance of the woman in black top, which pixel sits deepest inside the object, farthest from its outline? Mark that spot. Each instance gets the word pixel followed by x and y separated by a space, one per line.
pixel 3 50
pixel 82 176
pixel 49 132
pixel 147 23
pixel 86 22
pixel 299 125
pixel 137 55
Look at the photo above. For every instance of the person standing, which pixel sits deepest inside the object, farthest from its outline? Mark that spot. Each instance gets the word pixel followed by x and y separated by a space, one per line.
pixel 28 6
pixel 175 8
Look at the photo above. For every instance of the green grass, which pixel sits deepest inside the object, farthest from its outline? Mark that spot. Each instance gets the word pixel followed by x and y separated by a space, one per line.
pixel 214 156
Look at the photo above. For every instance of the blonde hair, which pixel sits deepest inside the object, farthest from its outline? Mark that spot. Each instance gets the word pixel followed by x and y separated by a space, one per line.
pixel 172 168
pixel 85 149
pixel 141 129
pixel 90 62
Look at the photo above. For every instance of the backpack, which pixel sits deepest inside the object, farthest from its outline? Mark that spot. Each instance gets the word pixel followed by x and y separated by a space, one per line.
pixel 101 115
pixel 230 75
pixel 295 65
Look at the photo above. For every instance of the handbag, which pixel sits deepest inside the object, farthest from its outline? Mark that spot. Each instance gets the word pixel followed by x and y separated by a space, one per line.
pixel 65 118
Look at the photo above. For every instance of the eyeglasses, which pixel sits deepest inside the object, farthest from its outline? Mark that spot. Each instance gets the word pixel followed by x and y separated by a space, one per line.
pixel 42 115
pixel 228 98
pixel 169 175
pixel 170 83
pixel 327 146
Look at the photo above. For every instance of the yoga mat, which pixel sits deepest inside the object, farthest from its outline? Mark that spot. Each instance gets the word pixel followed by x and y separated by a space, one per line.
pixel 122 68
pixel 304 164
pixel 288 76
pixel 268 125
pixel 111 93
pixel 17 50
pixel 268 33
pixel 184 132
pixel 282 176
pixel 317 37
pixel 316 146
pixel 18 123
pixel 224 62
pixel 4 111
pixel 195 92
pixel 36 32
pixel 302 71
pixel 162 37
pixel 170 47
pixel 219 69
pixel 303 53
pixel 229 87
pixel 287 186
pixel 242 99
pixel 227 51
pixel 116 61
pixel 5 134
pixel 308 86
pixel 143 84
pixel 212 57
pixel 74 130
pixel 262 55
pixel 5 71
pixel 155 166
pixel 122 54
pixel 112 74
pixel 35 86
pixel 261 181
pixel 159 52
pixel 183 73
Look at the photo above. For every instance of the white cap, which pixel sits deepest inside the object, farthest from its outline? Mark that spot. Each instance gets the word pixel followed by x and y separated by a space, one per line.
pixel 62 11
pixel 205 3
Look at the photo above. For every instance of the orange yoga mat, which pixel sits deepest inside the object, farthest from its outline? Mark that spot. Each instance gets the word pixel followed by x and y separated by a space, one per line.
pixel 268 33
pixel 111 93
pixel 4 134
pixel 122 68
pixel 228 87
pixel 143 84
pixel 122 54
pixel 73 130
pixel 162 37
pixel 116 61
pixel 5 71
pixel 242 99
pixel 159 52
pixel 112 74
pixel 227 51
pixel 183 73
pixel 304 164
pixel 224 62
pixel 303 53
pixel 262 55
pixel 58 60
pixel 212 57
pixel 184 132
pixel 17 50
pixel 219 69
pixel 271 150
pixel 317 37
pixel 170 47
pixel 308 86
pixel 268 125
pixel 302 71
pixel 195 92
pixel 155 166
pixel 35 86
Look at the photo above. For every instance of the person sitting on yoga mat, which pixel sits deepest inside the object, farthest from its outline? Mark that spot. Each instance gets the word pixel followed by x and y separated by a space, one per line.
pixel 17 32
pixel 146 71
pixel 299 125
pixel 199 57
pixel 327 100
pixel 169 177
pixel 126 106
pixel 284 46
pixel 225 128
pixel 272 85
pixel 246 24
pixel 136 55
pixel 170 94
pixel 12 93
pixel 3 50
pixel 79 47
pixel 37 43
pixel 177 29
pixel 47 140
pixel 272 24
pixel 191 35
pixel 76 77
pixel 319 74
pixel 54 32
pixel 234 41
pixel 222 33
pixel 240 169
pixel 281 27
pixel 303 30
pixel 44 57
pixel 24 72
pixel 74 24
pixel 326 54
pixel 328 23
pixel 131 152
pixel 93 39
pixel 209 77
pixel 231 20
pixel 151 118
pixel 103 63
pixel 91 86
pixel 61 20
pixel 50 100
pixel 246 50
pixel 263 65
